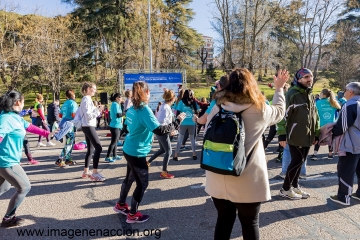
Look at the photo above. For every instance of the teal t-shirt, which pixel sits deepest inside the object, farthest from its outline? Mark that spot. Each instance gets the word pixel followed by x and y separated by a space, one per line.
pixel 12 130
pixel 326 111
pixel 181 107
pixel 212 104
pixel 68 108
pixel 115 121
pixel 140 124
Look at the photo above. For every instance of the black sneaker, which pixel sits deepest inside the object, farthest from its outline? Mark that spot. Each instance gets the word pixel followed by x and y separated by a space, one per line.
pixel 330 156
pixel 184 148
pixel 13 221
pixel 279 157
pixel 335 199
pixel 314 157
pixel 70 162
pixel 354 196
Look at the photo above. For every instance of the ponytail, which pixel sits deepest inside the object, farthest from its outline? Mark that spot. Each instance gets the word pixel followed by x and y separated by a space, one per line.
pixel 139 94
pixel 114 96
pixel 86 86
pixel 8 100
pixel 332 99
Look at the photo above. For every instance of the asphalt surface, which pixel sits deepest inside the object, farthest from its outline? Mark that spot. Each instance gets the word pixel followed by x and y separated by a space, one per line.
pixel 61 205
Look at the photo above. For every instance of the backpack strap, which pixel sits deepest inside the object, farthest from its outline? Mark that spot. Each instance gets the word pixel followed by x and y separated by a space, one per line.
pixel 251 152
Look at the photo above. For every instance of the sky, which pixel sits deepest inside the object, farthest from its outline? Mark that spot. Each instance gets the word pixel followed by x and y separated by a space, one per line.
pixel 201 21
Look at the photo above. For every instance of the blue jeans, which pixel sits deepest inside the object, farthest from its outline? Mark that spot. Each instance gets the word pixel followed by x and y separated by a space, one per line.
pixel 286 159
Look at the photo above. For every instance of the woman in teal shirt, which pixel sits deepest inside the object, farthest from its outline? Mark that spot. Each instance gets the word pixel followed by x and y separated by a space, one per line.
pixel 115 127
pixel 12 134
pixel 327 107
pixel 142 124
pixel 188 106
pixel 67 113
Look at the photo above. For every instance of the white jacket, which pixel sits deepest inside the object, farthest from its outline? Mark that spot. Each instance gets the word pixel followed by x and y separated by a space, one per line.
pixel 88 112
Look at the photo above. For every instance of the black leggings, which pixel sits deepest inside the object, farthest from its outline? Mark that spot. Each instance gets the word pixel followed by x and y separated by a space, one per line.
pixel 248 214
pixel 115 136
pixel 271 135
pixel 298 157
pixel 92 141
pixel 27 148
pixel 137 170
pixel 44 126
pixel 317 147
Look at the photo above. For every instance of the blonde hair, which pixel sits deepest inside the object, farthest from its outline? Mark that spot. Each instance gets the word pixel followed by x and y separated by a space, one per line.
pixel 86 86
pixel 330 94
pixel 128 93
pixel 204 100
pixel 169 95
pixel 39 97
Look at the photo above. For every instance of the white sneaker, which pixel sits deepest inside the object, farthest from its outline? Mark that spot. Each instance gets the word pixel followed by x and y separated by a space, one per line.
pixel 40 144
pixel 50 144
pixel 290 194
pixel 97 177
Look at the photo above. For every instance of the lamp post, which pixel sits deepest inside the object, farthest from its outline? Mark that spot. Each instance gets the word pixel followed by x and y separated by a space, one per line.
pixel 149 28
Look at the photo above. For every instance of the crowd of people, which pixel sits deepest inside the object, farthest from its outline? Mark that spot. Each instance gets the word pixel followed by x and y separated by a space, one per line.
pixel 295 114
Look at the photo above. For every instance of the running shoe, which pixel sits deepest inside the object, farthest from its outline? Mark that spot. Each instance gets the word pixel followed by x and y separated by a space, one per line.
pixel 282 175
pixel 314 157
pixel 70 162
pixel 290 194
pixel 50 144
pixel 299 191
pixel 303 176
pixel 97 177
pixel 109 160
pixel 40 144
pixel 279 157
pixel 33 162
pixel 335 199
pixel 124 210
pixel 166 175
pixel 86 175
pixel 184 148
pixel 119 143
pixel 60 163
pixel 12 221
pixel 137 218
pixel 354 196
pixel 118 157
pixel 330 156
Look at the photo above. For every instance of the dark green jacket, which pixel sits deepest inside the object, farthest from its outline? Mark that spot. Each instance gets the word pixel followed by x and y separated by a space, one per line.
pixel 301 118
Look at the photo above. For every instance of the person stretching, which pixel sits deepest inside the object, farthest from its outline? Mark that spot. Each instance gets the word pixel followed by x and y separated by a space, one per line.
pixel 142 124
pixel 165 116
pixel 115 127
pixel 67 113
pixel 12 134
pixel 88 113
pixel 41 120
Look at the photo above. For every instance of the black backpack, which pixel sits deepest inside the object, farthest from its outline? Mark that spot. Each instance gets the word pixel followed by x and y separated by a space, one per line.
pixel 223 148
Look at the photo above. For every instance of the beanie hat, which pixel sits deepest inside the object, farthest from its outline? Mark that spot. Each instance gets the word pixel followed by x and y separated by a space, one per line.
pixel 300 73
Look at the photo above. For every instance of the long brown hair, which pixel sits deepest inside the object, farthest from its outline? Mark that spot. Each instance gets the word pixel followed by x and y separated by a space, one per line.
pixel 242 82
pixel 168 95
pixel 180 95
pixel 139 94
pixel 330 94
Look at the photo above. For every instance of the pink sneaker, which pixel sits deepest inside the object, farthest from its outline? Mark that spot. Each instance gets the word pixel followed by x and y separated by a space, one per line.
pixel 124 210
pixel 86 175
pixel 137 218
pixel 33 162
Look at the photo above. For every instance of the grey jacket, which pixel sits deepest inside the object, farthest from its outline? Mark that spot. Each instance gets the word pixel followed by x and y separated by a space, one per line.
pixel 348 124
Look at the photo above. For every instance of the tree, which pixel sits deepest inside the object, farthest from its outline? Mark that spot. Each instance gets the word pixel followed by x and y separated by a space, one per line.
pixel 203 54
pixel 210 72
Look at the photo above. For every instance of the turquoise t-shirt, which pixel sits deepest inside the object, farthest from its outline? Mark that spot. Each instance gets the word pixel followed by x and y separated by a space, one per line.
pixel 181 107
pixel 140 123
pixel 67 109
pixel 115 121
pixel 326 111
pixel 212 104
pixel 12 130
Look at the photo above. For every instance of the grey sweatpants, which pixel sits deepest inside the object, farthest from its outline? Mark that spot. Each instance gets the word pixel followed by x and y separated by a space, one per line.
pixel 191 129
pixel 16 177
pixel 165 147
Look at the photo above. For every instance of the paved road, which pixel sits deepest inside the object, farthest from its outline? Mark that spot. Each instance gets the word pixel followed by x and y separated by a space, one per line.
pixel 61 203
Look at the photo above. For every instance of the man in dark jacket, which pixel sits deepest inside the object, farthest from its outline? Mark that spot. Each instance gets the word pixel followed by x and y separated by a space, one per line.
pixel 302 130
pixel 53 111
pixel 348 125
